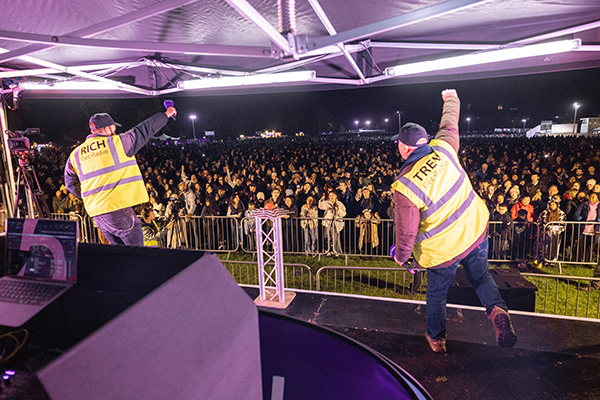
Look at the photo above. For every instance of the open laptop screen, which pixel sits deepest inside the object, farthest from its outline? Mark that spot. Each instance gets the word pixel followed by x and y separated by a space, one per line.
pixel 42 249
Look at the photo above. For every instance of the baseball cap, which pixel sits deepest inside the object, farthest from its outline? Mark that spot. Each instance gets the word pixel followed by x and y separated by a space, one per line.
pixel 412 135
pixel 102 120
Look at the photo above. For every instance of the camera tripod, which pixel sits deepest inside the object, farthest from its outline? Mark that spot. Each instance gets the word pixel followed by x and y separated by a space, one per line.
pixel 30 185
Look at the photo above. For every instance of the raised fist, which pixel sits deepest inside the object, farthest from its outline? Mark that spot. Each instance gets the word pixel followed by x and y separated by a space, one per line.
pixel 449 93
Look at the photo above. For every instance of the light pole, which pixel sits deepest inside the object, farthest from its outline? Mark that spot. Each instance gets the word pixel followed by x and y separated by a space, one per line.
pixel 524 121
pixel 368 124
pixel 468 125
pixel 193 118
pixel 399 120
pixel 386 125
pixel 356 123
pixel 576 105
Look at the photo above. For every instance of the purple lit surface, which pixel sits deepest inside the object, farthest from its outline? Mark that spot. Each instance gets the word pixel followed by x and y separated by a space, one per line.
pixel 335 366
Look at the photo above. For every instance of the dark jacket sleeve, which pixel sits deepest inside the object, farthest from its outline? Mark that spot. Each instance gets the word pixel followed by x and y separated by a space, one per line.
pixel 71 179
pixel 449 124
pixel 406 225
pixel 135 138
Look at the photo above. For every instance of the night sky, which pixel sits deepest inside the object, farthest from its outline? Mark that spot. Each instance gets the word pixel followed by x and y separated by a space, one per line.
pixel 535 97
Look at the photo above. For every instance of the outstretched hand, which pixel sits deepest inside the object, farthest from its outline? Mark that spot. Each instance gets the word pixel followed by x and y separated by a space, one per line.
pixel 449 93
pixel 171 112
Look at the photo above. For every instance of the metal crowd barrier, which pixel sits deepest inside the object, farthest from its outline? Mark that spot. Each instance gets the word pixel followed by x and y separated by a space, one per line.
pixel 517 243
pixel 296 276
pixel 564 242
pixel 554 243
pixel 84 233
pixel 562 295
pixel 369 281
pixel 570 242
pixel 344 237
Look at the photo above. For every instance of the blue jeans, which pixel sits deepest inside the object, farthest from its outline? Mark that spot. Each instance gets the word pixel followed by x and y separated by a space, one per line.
pixel 121 227
pixel 439 281
pixel 310 240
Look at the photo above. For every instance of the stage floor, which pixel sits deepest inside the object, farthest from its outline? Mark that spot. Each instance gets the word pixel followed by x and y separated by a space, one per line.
pixel 554 358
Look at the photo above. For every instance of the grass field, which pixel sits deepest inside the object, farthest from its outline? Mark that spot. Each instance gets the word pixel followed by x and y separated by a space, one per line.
pixel 381 277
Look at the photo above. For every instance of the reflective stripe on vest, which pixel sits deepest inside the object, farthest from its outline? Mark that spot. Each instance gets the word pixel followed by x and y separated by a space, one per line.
pixel 110 180
pixel 152 242
pixel 452 216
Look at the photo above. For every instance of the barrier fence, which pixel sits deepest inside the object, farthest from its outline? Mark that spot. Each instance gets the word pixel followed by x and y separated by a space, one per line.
pixel 370 281
pixel 554 243
pixel 561 295
pixel 296 276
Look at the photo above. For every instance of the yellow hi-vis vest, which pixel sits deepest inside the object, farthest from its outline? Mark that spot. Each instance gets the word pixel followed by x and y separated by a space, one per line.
pixel 152 242
pixel 452 216
pixel 110 180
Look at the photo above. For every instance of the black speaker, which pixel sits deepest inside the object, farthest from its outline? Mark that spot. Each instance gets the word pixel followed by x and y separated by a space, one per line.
pixel 517 292
pixel 194 337
pixel 110 279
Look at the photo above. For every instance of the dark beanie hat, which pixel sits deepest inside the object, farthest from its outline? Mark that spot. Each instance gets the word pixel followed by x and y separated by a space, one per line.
pixel 412 135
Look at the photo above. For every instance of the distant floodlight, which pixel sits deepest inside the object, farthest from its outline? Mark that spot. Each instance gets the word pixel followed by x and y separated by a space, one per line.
pixel 260 79
pixel 484 57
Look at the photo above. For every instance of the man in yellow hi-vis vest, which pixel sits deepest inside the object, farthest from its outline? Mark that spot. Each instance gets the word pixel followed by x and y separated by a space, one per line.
pixel 104 173
pixel 443 222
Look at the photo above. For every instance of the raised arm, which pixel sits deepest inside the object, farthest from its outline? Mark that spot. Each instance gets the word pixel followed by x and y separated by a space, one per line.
pixel 450 116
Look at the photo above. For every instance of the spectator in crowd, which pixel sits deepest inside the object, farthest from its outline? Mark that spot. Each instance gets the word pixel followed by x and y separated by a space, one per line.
pixel 366 199
pixel 346 196
pixel 153 233
pixel 588 211
pixel 236 211
pixel 589 186
pixel 501 234
pixel 535 186
pixel 551 220
pixel 309 222
pixel 289 225
pixel 212 233
pixel 60 202
pixel 482 173
pixel 250 225
pixel 75 204
pixel 513 196
pixel 333 223
pixel 523 204
pixel 368 238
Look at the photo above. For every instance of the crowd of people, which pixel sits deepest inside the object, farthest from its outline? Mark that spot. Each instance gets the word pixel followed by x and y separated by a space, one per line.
pixel 326 181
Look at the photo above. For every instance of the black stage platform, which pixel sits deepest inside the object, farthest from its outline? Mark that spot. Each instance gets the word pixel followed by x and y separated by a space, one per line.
pixel 554 358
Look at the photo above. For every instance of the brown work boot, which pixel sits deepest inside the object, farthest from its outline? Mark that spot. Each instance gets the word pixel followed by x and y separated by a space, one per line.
pixel 437 345
pixel 505 334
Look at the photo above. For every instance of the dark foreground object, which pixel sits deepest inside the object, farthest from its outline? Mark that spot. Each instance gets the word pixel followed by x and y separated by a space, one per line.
pixel 554 358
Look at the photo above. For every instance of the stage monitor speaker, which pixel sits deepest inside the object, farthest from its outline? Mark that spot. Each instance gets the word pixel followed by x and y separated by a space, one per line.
pixel 517 292
pixel 194 337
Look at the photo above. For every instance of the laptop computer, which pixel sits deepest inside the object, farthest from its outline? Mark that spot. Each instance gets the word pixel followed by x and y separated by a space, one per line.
pixel 40 264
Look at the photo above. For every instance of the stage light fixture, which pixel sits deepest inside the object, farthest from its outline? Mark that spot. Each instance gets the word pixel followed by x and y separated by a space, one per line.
pixel 484 57
pixel 261 79
pixel 68 85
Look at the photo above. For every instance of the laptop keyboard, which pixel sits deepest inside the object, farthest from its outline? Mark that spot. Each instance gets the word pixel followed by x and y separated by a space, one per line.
pixel 31 293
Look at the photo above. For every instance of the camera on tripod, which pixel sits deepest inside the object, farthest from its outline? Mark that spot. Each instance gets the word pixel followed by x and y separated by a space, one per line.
pixel 18 142
pixel 177 205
